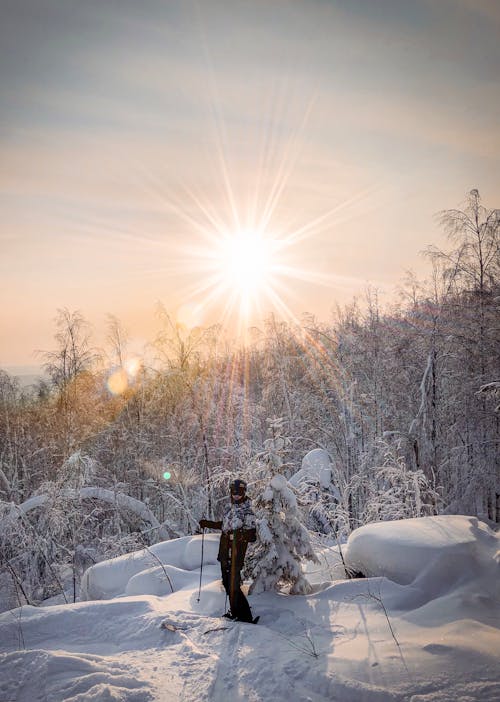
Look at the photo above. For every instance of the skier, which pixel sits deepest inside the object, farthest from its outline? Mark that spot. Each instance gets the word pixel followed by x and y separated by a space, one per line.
pixel 238 530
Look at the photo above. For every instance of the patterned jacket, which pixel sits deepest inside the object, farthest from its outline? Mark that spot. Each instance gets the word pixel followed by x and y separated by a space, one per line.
pixel 238 530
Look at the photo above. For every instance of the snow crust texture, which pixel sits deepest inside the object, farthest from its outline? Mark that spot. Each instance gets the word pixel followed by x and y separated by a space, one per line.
pixel 423 632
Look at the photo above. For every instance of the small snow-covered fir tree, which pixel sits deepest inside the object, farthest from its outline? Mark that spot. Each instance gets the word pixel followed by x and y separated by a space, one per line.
pixel 282 540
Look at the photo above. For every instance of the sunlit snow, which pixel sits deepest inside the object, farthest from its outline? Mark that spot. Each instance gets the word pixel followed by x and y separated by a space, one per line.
pixel 423 628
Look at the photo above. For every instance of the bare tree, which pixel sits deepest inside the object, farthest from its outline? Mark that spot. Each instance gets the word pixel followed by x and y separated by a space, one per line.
pixel 68 367
pixel 117 338
pixel 74 353
pixel 475 262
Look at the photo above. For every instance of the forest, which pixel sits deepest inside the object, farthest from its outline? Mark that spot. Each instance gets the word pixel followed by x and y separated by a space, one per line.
pixel 109 452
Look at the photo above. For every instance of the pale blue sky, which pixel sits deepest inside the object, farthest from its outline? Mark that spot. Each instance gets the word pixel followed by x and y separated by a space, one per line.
pixel 118 118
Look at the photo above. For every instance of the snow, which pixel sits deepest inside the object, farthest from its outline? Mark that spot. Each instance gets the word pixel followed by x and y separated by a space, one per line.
pixel 316 466
pixel 421 545
pixel 115 498
pixel 111 578
pixel 278 482
pixel 423 628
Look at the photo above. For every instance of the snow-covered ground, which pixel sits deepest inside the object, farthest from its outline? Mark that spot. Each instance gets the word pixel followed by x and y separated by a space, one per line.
pixel 424 627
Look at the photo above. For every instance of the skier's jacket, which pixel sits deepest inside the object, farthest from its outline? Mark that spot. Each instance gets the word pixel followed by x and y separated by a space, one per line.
pixel 238 530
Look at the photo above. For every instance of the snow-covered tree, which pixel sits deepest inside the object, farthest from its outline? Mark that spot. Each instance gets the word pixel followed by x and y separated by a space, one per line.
pixel 395 491
pixel 282 540
pixel 317 495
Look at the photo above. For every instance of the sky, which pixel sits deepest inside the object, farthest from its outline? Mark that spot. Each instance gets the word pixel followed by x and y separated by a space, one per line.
pixel 140 141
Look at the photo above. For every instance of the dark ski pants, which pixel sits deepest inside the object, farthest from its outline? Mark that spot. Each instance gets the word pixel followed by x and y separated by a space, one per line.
pixel 231 579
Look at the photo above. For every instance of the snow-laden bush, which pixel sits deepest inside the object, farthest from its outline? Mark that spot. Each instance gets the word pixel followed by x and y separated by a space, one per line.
pixel 47 541
pixel 393 491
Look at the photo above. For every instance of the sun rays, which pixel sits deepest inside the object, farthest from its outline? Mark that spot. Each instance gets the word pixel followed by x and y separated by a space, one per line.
pixel 242 273
pixel 239 243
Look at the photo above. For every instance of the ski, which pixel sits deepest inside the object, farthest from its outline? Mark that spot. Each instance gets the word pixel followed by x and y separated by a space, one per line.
pixel 170 625
pixel 216 628
pixel 174 626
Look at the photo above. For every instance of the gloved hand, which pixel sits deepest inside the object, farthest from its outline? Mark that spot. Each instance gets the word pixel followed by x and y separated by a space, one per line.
pixel 203 523
pixel 250 535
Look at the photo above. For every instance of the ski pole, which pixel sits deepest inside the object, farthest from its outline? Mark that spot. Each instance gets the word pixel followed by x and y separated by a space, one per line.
pixel 201 565
pixel 347 573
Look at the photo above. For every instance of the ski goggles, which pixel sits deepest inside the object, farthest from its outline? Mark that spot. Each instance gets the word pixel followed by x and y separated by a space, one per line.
pixel 238 487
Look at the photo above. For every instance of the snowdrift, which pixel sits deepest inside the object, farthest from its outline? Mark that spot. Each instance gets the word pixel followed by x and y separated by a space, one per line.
pixel 315 467
pixel 411 548
pixel 157 570
pixel 423 626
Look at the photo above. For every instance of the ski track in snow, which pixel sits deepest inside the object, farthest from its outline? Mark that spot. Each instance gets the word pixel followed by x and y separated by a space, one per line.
pixel 335 644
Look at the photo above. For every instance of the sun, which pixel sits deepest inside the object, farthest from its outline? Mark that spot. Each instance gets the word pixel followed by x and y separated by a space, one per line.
pixel 241 254
pixel 245 262
pixel 238 272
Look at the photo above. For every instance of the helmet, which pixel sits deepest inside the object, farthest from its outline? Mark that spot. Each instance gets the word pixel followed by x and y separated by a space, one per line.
pixel 238 487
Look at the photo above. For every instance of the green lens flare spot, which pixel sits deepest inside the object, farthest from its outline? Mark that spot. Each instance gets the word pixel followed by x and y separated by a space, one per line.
pixel 167 475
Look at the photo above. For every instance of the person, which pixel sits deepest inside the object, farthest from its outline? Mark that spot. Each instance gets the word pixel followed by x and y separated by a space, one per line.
pixel 238 530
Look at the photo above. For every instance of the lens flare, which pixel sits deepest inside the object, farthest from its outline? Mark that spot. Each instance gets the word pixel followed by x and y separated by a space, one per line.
pixel 117 382
pixel 120 379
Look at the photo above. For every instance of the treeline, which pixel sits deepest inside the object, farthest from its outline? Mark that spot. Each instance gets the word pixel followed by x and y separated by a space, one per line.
pixel 404 400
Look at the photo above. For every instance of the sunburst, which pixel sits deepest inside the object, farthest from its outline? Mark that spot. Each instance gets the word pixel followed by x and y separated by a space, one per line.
pixel 236 257
pixel 246 262
pixel 240 273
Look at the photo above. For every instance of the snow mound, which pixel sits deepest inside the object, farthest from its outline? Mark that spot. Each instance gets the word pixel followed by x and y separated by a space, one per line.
pixel 315 467
pixel 408 549
pixel 164 580
pixel 182 557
